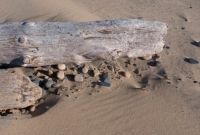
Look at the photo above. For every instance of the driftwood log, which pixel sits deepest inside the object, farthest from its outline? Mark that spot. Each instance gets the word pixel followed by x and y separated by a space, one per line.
pixel 48 43
pixel 17 91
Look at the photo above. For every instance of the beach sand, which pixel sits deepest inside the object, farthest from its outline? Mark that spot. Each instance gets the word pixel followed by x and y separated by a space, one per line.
pixel 170 104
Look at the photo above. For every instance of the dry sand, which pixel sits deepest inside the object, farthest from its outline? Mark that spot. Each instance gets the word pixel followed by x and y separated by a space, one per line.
pixel 167 106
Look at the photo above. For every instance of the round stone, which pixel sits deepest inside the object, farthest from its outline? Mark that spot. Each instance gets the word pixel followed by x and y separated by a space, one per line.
pixel 37 82
pixel 32 108
pixel 78 78
pixel 148 57
pixel 61 75
pixel 85 70
pixel 48 84
pixel 61 66
pixel 127 74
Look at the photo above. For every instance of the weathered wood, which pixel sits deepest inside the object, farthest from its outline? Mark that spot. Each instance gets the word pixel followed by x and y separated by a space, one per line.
pixel 49 43
pixel 17 91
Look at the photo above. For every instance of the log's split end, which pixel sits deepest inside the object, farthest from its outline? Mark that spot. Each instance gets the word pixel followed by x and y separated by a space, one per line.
pixel 47 43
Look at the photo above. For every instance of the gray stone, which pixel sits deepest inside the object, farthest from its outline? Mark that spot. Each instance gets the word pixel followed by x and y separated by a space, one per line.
pixel 37 81
pixel 32 77
pixel 191 61
pixel 105 84
pixel 48 84
pixel 107 80
pixel 104 76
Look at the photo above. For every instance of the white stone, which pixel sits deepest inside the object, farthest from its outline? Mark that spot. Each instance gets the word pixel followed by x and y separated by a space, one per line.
pixel 61 66
pixel 85 70
pixel 148 57
pixel 32 108
pixel 127 74
pixel 78 78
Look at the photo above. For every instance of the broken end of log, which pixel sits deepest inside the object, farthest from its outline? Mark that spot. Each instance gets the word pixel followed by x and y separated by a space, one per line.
pixel 17 91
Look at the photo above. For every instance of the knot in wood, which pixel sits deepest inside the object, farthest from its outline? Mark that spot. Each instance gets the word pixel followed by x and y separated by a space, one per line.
pixel 22 40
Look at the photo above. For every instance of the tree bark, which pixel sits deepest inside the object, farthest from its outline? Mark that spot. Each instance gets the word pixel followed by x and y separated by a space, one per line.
pixel 17 91
pixel 34 44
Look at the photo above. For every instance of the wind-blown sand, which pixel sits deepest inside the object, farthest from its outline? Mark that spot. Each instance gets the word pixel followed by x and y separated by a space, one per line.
pixel 167 106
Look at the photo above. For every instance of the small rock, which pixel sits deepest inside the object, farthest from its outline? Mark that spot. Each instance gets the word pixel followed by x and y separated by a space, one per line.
pixel 61 66
pixel 67 95
pixel 148 57
pixel 158 63
pixel 195 81
pixel 50 72
pixel 85 70
pixel 105 76
pixel 46 77
pixel 32 108
pixel 191 61
pixel 48 84
pixel 23 111
pixel 137 71
pixel 61 75
pixel 107 80
pixel 105 84
pixel 168 47
pixel 78 78
pixel 37 82
pixel 127 74
pixel 96 73
pixel 32 77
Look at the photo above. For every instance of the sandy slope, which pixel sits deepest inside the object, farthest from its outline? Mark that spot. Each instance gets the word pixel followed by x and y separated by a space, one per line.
pixel 165 108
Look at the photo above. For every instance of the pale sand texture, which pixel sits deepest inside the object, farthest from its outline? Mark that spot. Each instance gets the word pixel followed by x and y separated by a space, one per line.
pixel 121 109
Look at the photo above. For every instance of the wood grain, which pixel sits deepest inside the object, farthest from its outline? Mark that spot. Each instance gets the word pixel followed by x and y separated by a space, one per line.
pixel 17 91
pixel 34 44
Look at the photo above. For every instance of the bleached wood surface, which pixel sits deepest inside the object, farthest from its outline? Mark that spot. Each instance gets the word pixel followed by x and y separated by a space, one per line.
pixel 17 91
pixel 49 43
